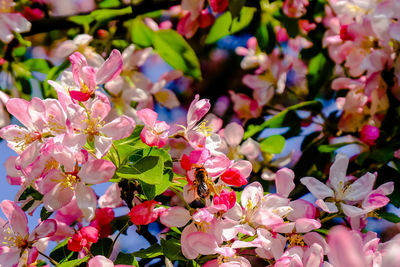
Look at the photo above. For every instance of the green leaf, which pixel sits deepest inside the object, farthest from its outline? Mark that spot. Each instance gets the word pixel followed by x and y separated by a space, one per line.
pixel 37 64
pixel 102 15
pixel 151 191
pixel 61 253
pixel 391 217
pixel 273 144
pixel 224 25
pixel 150 252
pixel 101 247
pixel 109 3
pixel 19 51
pixel 141 34
pixel 235 6
pixel 125 258
pixel 266 37
pixel 320 70
pixel 120 44
pixel 333 147
pixel 278 120
pixel 73 263
pixel 20 70
pixel 173 48
pixel 82 20
pixel 30 191
pixel 44 214
pixel 172 249
pixel 148 169
pixel 146 165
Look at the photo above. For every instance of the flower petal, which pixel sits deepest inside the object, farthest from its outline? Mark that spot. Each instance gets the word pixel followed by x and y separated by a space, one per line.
pixel 16 217
pixel 111 68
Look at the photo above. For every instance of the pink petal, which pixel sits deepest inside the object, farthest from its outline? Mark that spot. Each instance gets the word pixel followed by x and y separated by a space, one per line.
pixel 88 76
pixel 233 134
pixel 175 217
pixel 9 256
pixel 102 145
pixel 78 61
pixel 301 209
pixel 86 199
pixel 16 217
pixel 217 165
pixel 111 68
pixel 79 96
pixel 352 211
pixel 197 110
pixel 345 249
pixel 97 171
pixel 46 229
pixel 317 188
pixel 337 172
pixel 329 207
pixel 252 194
pixel 305 225
pixel 100 261
pixel 148 116
pixel 119 128
pixel 360 188
pixel 314 256
pixel 18 107
pixel 284 182
pixel 203 243
pixel 111 198
pixel 57 198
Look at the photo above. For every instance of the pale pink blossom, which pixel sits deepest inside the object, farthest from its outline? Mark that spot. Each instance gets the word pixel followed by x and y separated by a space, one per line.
pixel 87 78
pixel 11 22
pixel 154 133
pixel 18 246
pixel 340 189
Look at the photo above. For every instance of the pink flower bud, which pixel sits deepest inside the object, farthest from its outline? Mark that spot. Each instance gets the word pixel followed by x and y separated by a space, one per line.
pixel 144 213
pixel 75 243
pixel 105 216
pixel 225 198
pixel 219 5
pixel 90 233
pixel 233 177
pixel 369 134
pixel 206 19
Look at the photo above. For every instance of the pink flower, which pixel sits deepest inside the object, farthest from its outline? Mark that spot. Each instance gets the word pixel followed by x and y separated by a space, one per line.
pixel 144 213
pixel 18 247
pixel 87 78
pixel 87 124
pixel 295 8
pixel 226 199
pixel 11 22
pixel 101 261
pixel 340 189
pixel 369 134
pixel 83 238
pixel 219 5
pixel 155 133
pixel 61 185
pixel 102 221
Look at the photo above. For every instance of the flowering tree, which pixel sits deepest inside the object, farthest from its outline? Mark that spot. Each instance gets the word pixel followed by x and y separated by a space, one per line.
pixel 248 133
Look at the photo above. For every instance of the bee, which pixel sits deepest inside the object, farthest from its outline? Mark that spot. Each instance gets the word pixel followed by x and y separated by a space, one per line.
pixel 202 184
